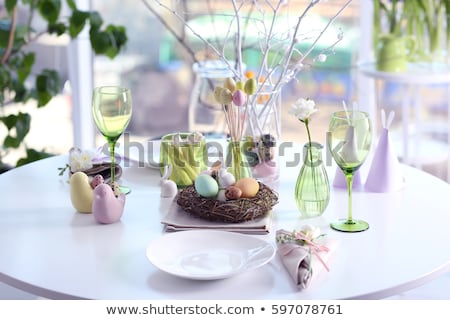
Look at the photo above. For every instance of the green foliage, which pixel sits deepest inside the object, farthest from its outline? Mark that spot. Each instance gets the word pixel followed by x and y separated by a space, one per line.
pixel 49 10
pixel 18 84
pixel 10 4
pixel 18 126
pixel 47 86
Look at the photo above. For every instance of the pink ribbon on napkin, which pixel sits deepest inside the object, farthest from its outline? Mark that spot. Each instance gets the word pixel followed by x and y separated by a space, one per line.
pixel 314 247
pixel 296 250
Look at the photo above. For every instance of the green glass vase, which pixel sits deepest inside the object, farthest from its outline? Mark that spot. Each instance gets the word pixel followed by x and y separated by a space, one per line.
pixel 312 189
pixel 187 158
pixel 236 161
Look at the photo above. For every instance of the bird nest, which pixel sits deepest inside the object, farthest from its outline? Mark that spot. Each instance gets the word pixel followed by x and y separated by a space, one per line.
pixel 230 211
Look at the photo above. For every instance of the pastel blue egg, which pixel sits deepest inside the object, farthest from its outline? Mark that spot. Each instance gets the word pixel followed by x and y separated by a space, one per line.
pixel 206 186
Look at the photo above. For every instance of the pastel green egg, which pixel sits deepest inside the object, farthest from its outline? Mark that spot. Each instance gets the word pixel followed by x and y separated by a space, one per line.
pixel 250 86
pixel 206 186
pixel 239 85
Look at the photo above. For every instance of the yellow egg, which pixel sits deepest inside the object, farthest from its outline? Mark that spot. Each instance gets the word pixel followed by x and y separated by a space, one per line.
pixel 248 186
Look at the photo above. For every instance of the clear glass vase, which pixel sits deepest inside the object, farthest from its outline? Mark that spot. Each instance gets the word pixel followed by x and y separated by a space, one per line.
pixel 312 190
pixel 205 113
pixel 236 160
pixel 264 132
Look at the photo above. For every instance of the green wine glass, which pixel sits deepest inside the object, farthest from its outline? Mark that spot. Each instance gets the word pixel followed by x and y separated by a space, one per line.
pixel 349 140
pixel 111 108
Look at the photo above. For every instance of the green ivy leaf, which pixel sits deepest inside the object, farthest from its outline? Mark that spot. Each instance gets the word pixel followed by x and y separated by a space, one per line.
pixel 21 123
pixel 95 20
pixel 20 90
pixel 10 4
pixel 11 142
pixel 25 66
pixel 47 85
pixel 19 35
pixel 57 28
pixel 108 42
pixel 119 33
pixel 49 10
pixel 77 21
pixel 100 41
pixel 5 78
pixel 72 5
pixel 5 25
pixel 9 121
pixel 33 155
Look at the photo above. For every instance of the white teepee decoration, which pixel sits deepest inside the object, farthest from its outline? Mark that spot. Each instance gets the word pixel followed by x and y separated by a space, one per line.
pixel 385 173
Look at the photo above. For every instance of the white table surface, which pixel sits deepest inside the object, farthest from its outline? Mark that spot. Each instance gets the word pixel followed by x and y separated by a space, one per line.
pixel 48 249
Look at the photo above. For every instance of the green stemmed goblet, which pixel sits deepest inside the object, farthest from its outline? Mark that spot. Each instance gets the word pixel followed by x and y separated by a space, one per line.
pixel 111 108
pixel 349 140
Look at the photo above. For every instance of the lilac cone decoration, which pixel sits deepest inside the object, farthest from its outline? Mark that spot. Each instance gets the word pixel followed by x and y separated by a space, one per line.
pixel 385 173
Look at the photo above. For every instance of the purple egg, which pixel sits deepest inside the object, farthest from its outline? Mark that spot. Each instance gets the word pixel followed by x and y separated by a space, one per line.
pixel 239 98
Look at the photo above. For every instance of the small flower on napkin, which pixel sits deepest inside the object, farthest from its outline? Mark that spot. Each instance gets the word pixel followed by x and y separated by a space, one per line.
pixel 297 249
pixel 79 160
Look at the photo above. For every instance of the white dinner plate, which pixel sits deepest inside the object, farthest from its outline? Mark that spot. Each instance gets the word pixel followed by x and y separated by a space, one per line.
pixel 208 254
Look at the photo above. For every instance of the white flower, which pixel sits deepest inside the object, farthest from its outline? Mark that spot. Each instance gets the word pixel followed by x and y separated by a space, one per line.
pixel 80 160
pixel 310 231
pixel 303 109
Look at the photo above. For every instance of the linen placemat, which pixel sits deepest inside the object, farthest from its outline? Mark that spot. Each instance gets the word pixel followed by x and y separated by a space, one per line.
pixel 177 219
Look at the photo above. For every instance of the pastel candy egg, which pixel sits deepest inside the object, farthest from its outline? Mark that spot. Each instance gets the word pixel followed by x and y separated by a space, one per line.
pixel 249 187
pixel 239 85
pixel 250 86
pixel 230 84
pixel 206 186
pixel 226 178
pixel 225 96
pixel 233 193
pixel 239 98
pixel 221 195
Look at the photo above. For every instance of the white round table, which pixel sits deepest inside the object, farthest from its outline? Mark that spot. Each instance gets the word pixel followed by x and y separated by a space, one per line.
pixel 49 249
